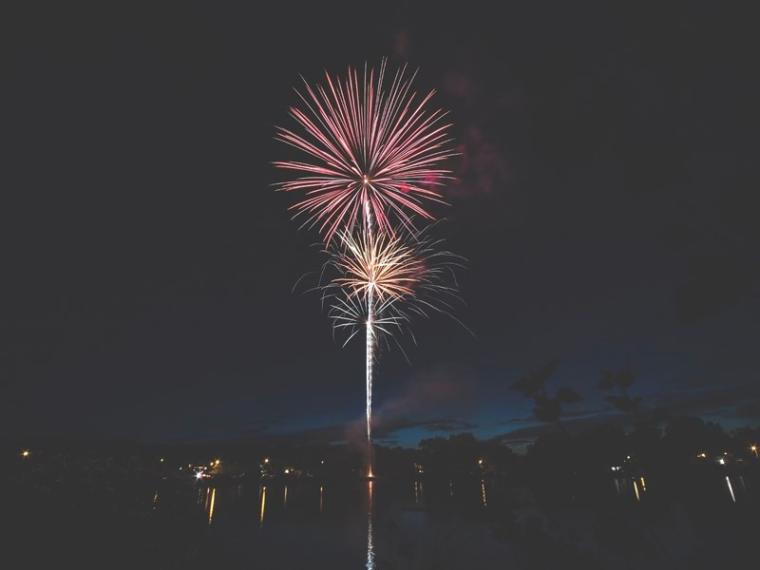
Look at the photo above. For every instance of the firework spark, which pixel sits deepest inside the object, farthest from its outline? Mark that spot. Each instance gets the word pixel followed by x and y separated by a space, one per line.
pixel 373 162
pixel 381 284
pixel 382 267
pixel 377 271
pixel 370 150
pixel 407 277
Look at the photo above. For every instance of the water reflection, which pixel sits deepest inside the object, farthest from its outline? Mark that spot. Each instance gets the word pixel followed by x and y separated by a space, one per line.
pixel 370 531
pixel 730 489
pixel 211 506
pixel 296 500
pixel 626 485
pixel 262 508
pixel 418 492
pixel 155 499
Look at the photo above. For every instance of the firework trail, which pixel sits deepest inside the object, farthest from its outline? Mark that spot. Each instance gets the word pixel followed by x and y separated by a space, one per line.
pixel 381 282
pixel 369 349
pixel 373 154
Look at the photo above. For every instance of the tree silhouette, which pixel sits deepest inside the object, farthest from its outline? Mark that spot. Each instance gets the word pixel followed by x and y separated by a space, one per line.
pixel 546 407
pixel 620 381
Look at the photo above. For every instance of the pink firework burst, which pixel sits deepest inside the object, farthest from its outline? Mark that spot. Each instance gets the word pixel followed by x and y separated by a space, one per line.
pixel 372 149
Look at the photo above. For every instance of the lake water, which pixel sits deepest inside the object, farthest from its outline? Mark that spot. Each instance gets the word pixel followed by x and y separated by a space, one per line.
pixel 308 524
pixel 380 524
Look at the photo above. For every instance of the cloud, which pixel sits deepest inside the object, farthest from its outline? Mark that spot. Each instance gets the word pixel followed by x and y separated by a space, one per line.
pixel 447 391
pixel 385 429
pixel 450 424
pixel 728 401
pixel 483 167
pixel 735 402
pixel 528 434
pixel 566 415
pixel 354 432
pixel 401 43
pixel 435 400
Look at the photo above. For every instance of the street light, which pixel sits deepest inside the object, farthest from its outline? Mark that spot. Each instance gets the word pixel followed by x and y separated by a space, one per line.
pixel 753 448
pixel 26 453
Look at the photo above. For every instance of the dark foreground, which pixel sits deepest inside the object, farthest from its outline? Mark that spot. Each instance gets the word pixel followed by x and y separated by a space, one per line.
pixel 105 520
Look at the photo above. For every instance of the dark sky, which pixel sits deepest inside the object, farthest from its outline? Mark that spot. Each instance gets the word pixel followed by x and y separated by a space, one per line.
pixel 605 204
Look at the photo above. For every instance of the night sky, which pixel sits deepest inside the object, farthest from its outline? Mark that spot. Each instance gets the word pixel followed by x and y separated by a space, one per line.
pixel 604 201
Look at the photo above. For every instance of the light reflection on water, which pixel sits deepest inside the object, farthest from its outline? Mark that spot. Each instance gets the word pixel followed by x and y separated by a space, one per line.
pixel 730 488
pixel 309 500
pixel 370 531
pixel 419 491
pixel 630 486
pixel 211 506
pixel 734 487
pixel 262 508
pixel 394 513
